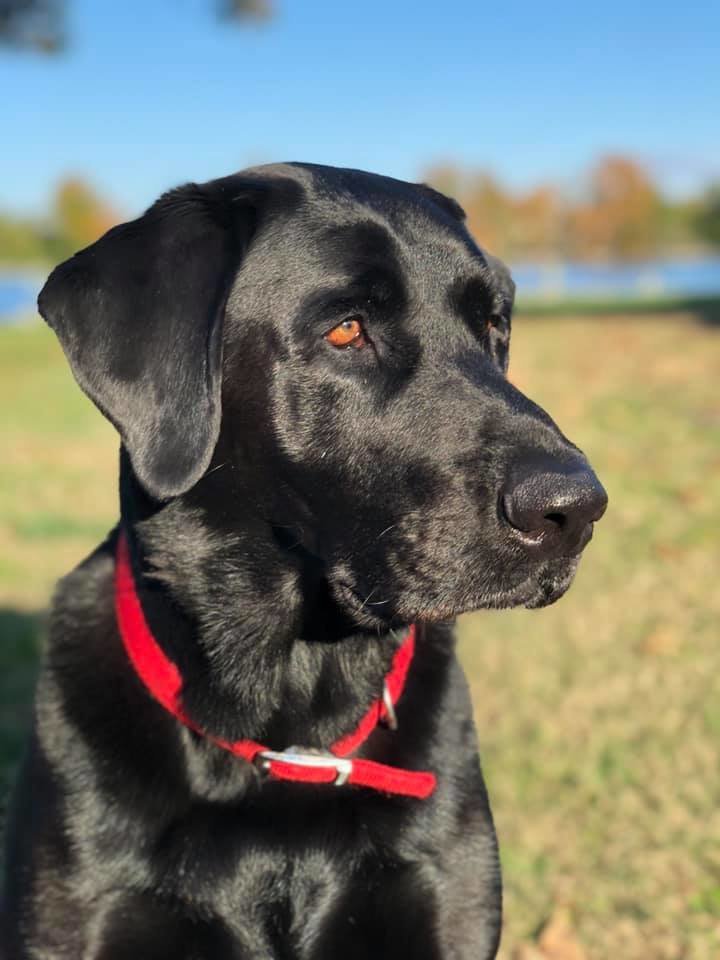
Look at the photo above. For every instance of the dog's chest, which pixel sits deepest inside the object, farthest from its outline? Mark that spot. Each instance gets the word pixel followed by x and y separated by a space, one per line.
pixel 296 883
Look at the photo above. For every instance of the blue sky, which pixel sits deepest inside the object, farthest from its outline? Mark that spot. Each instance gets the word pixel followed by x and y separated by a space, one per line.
pixel 158 92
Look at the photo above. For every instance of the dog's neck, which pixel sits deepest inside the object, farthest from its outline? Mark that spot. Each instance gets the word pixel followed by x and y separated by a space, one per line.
pixel 263 656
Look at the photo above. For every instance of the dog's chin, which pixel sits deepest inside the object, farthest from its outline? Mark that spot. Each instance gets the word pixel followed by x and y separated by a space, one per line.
pixel 543 587
pixel 553 581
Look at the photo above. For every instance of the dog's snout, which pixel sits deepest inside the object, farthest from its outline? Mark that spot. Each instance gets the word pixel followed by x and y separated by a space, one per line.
pixel 552 507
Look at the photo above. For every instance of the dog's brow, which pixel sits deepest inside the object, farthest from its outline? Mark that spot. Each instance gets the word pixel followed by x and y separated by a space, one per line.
pixel 359 246
pixel 471 297
pixel 373 283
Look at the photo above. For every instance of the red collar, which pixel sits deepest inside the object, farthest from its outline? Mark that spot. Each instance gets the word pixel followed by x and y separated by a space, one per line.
pixel 163 681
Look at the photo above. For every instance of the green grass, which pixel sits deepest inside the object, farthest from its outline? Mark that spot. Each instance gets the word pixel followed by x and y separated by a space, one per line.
pixel 706 309
pixel 599 718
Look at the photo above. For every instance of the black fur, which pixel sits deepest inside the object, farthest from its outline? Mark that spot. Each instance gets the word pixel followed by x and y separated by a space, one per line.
pixel 290 508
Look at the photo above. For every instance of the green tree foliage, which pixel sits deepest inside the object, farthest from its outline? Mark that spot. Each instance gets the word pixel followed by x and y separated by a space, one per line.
pixel 78 217
pixel 707 216
pixel 22 241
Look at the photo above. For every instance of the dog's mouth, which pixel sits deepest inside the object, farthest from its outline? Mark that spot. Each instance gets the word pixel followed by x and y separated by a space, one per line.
pixel 545 587
pixel 362 608
pixel 376 609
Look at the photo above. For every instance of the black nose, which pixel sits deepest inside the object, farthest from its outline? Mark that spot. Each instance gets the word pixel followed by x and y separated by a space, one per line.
pixel 552 505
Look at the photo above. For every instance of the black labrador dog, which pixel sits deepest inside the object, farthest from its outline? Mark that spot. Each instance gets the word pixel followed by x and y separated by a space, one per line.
pixel 252 737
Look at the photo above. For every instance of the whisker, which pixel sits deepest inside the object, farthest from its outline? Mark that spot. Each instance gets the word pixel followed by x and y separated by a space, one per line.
pixel 368 597
pixel 387 530
pixel 208 472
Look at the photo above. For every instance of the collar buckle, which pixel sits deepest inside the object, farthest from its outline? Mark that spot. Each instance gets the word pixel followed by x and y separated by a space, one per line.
pixel 299 757
pixel 390 719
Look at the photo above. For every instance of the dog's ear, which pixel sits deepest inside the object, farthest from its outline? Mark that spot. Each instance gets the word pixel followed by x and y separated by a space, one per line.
pixel 503 283
pixel 139 315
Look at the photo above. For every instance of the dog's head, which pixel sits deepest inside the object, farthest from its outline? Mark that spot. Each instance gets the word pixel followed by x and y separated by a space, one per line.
pixel 339 339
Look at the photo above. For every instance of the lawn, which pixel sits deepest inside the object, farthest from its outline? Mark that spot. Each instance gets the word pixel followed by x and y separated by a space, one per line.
pixel 599 718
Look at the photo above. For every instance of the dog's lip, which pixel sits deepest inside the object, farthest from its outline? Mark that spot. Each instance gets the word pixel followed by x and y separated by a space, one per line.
pixel 370 611
pixel 392 618
pixel 548 583
pixel 546 594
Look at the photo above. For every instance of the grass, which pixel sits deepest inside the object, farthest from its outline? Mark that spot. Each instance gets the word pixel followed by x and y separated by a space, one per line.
pixel 599 718
pixel 706 309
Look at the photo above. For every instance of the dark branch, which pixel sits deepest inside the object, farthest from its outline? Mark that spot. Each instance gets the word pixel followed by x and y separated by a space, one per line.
pixel 33 24
pixel 40 25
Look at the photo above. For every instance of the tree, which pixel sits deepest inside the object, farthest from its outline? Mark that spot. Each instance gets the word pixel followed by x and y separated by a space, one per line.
pixel 79 216
pixel 40 25
pixel 622 216
pixel 489 212
pixel 21 241
pixel 537 224
pixel 32 24
pixel 707 217
pixel 484 200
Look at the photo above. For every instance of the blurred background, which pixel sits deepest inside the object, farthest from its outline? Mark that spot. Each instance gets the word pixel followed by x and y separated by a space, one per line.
pixel 583 142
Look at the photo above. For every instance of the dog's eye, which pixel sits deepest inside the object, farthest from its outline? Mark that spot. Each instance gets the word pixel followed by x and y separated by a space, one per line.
pixel 349 333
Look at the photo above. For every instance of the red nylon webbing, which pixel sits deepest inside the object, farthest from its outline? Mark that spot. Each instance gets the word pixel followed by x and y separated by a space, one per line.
pixel 164 682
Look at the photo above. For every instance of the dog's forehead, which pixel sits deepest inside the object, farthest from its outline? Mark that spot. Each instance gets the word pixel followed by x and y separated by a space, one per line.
pixel 408 209
pixel 346 221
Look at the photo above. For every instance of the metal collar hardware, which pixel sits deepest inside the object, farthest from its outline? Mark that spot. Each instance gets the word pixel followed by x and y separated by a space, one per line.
pixel 306 758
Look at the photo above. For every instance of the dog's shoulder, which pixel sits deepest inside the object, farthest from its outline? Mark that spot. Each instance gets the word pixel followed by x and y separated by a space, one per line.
pixel 81 594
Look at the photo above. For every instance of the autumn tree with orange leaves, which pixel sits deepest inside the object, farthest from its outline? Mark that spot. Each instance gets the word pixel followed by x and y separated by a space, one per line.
pixel 621 218
pixel 616 215
pixel 79 215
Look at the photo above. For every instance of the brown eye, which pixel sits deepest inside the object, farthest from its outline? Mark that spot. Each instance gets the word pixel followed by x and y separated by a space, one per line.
pixel 349 333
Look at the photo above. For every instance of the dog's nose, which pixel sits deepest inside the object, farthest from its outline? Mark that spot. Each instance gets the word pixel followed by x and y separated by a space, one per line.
pixel 552 506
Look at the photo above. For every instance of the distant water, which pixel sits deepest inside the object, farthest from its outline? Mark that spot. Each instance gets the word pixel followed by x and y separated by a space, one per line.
pixel 18 295
pixel 699 276
pixel 696 277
